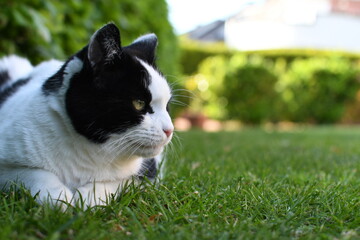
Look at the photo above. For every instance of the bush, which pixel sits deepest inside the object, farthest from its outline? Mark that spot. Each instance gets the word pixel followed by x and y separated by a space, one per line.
pixel 249 88
pixel 41 29
pixel 254 89
pixel 208 86
pixel 318 89
pixel 237 88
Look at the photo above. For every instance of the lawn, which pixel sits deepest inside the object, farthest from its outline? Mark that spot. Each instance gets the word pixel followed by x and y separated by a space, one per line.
pixel 250 184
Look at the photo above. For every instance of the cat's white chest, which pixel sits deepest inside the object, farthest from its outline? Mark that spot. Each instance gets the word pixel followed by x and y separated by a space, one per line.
pixel 78 162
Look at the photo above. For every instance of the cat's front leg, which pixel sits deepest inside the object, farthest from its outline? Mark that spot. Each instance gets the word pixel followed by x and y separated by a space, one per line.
pixel 98 193
pixel 46 185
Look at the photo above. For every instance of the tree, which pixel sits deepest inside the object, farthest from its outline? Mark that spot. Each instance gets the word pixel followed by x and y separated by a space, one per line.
pixel 42 29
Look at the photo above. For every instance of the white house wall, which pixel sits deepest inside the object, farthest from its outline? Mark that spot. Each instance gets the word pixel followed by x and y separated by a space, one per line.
pixel 334 31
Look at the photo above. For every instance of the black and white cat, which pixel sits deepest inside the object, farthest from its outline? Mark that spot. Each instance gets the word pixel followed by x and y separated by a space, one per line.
pixel 85 126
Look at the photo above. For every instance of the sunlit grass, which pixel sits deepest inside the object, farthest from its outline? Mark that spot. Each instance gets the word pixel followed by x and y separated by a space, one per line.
pixel 250 184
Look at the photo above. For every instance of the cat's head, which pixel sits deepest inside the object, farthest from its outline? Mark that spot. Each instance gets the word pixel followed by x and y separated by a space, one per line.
pixel 119 98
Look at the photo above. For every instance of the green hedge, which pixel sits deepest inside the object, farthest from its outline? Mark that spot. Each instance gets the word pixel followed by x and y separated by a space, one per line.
pixel 249 88
pixel 42 29
pixel 318 89
pixel 192 53
pixel 255 88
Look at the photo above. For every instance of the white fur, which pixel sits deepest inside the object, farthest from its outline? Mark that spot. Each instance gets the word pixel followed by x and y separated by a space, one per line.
pixel 40 149
pixel 23 68
pixel 145 37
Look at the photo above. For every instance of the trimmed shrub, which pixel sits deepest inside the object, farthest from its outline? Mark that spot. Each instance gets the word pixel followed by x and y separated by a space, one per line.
pixel 241 88
pixel 256 89
pixel 317 89
pixel 193 53
pixel 249 88
pixel 207 87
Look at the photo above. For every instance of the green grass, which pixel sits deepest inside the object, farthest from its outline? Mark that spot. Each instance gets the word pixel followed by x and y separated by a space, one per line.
pixel 250 184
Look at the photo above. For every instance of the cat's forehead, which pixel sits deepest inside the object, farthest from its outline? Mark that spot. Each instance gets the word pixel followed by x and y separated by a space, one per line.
pixel 158 87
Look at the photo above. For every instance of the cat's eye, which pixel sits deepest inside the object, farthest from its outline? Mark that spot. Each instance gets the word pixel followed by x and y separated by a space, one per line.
pixel 138 104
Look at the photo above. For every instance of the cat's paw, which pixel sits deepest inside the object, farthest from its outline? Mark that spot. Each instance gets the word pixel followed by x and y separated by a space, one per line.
pixel 98 193
pixel 61 197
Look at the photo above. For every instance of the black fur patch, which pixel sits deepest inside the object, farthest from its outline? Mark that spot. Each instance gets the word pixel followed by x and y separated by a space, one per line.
pixel 54 83
pixel 99 103
pixel 148 169
pixel 7 92
pixel 4 77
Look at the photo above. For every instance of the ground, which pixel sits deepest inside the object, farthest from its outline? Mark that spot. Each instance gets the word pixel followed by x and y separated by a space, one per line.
pixel 248 184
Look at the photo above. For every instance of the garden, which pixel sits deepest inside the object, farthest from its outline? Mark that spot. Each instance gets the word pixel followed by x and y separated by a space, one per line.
pixel 272 86
pixel 284 163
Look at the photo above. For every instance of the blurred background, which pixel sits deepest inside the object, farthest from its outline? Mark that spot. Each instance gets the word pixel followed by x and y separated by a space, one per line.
pixel 231 62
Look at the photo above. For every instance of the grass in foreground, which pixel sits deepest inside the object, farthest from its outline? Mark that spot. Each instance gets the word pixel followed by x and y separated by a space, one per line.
pixel 230 185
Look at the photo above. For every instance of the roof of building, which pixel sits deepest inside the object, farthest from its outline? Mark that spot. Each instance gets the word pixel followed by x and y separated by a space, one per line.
pixel 292 12
pixel 212 32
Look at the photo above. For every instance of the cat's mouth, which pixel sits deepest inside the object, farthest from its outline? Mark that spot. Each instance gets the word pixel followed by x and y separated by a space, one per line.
pixel 146 147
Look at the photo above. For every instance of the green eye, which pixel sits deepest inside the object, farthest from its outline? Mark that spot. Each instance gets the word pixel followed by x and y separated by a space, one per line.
pixel 138 104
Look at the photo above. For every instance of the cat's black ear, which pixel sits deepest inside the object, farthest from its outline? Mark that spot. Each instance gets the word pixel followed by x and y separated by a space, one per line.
pixel 104 45
pixel 145 47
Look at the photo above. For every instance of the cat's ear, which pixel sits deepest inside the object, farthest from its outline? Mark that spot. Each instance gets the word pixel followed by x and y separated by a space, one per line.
pixel 145 47
pixel 104 45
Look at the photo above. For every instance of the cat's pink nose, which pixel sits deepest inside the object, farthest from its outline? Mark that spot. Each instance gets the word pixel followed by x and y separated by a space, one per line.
pixel 168 132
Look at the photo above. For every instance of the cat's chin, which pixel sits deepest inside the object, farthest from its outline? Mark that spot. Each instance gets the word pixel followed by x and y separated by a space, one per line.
pixel 149 152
